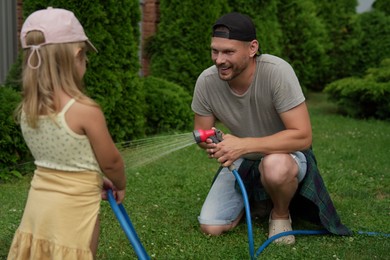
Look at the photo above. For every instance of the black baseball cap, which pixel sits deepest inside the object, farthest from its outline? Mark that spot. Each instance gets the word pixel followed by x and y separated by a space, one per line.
pixel 240 27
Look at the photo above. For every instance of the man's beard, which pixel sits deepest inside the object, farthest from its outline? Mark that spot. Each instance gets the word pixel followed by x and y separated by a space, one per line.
pixel 230 73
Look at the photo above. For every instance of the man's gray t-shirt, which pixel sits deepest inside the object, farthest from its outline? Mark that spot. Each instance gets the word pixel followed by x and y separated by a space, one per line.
pixel 275 89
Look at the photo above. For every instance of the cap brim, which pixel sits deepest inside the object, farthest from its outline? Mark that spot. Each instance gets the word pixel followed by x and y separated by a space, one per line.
pixel 90 46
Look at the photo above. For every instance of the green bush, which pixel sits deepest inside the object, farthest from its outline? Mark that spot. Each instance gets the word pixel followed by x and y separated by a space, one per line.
pixel 382 5
pixel 364 97
pixel 168 107
pixel 369 42
pixel 305 42
pixel 265 17
pixel 13 79
pixel 337 17
pixel 12 147
pixel 180 50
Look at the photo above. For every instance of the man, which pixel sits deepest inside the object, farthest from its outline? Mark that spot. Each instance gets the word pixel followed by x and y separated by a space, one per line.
pixel 259 99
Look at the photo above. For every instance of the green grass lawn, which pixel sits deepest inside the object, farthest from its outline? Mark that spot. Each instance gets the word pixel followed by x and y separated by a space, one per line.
pixel 164 199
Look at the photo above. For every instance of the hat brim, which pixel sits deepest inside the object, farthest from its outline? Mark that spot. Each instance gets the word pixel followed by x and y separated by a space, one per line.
pixel 91 46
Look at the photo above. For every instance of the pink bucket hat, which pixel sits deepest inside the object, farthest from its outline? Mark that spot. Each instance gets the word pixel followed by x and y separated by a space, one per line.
pixel 57 25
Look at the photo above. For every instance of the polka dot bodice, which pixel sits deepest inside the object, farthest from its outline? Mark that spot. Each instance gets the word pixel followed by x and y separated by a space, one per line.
pixel 54 145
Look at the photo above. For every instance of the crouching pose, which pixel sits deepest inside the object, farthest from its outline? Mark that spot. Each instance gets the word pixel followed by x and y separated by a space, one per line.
pixel 259 99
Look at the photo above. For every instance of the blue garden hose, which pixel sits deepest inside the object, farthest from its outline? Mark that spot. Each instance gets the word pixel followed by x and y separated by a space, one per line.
pixel 287 233
pixel 282 234
pixel 140 251
pixel 247 212
pixel 127 226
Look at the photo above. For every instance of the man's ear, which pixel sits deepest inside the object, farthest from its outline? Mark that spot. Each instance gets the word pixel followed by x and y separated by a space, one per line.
pixel 254 48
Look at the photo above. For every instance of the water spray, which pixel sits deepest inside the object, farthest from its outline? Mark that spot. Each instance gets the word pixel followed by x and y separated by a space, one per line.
pixel 137 153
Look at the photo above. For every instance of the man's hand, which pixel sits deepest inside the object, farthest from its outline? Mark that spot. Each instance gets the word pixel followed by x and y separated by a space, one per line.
pixel 227 151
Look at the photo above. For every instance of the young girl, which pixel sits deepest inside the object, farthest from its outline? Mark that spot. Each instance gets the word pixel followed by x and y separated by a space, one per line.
pixel 68 137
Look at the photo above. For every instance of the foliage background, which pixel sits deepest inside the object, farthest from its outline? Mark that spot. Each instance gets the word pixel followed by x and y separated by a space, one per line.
pixel 325 41
pixel 364 97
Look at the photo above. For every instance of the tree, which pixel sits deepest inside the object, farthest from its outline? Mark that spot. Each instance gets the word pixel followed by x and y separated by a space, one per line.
pixel 382 5
pixel 181 48
pixel 372 31
pixel 264 14
pixel 305 42
pixel 337 16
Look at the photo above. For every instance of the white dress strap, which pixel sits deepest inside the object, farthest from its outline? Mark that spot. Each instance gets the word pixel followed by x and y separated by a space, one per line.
pixel 68 105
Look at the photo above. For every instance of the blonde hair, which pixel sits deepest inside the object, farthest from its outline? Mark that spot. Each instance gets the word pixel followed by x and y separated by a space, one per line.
pixel 45 74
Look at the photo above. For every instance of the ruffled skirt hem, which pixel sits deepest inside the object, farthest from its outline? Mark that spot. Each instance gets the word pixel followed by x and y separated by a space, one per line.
pixel 26 246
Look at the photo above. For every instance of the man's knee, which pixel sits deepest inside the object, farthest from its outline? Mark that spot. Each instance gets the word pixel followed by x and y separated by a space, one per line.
pixel 216 230
pixel 212 230
pixel 278 169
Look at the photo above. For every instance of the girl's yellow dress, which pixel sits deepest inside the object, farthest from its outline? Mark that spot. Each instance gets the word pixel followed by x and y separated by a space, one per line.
pixel 64 199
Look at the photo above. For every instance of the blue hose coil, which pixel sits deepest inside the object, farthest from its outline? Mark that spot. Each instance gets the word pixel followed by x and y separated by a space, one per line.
pixel 127 226
pixel 141 253
pixel 287 233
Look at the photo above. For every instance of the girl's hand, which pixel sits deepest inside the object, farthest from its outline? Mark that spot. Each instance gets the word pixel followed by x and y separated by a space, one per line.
pixel 107 185
pixel 119 195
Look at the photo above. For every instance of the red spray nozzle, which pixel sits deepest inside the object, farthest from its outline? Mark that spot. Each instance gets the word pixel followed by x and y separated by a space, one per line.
pixel 201 135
